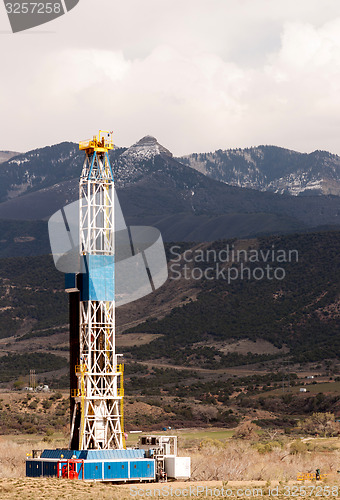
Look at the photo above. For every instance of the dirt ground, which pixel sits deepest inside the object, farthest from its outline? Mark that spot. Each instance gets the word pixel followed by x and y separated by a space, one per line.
pixel 53 489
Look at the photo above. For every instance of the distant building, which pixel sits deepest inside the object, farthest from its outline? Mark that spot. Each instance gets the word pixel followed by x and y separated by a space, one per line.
pixel 302 389
pixel 43 388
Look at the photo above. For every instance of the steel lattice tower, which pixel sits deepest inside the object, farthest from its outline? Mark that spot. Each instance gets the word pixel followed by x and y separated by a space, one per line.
pixel 97 417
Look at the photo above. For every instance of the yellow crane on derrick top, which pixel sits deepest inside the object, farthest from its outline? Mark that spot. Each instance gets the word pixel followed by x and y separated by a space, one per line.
pixel 100 143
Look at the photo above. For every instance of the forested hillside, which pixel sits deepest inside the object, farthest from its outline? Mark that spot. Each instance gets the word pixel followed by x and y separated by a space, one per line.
pixel 300 311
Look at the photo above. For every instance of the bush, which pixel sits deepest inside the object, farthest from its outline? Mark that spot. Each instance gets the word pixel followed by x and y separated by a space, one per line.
pixel 47 403
pixel 55 396
pixel 297 446
pixel 263 448
pixel 268 446
pixel 246 430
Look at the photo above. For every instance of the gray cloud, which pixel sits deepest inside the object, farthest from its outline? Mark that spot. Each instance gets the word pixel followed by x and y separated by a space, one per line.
pixel 198 75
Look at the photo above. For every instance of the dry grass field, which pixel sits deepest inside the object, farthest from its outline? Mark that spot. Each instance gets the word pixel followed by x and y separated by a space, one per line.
pixel 50 489
pixel 56 489
pixel 218 460
pixel 131 339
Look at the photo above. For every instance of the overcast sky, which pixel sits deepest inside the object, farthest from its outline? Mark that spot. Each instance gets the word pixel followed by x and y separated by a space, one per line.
pixel 199 75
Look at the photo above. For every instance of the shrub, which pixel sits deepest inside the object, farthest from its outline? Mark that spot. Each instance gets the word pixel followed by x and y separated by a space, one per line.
pixel 47 403
pixel 55 396
pixel 246 430
pixel 297 446
pixel 268 446
pixel 263 448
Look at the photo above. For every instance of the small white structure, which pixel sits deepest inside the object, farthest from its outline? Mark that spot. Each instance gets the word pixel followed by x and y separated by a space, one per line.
pixel 302 389
pixel 177 467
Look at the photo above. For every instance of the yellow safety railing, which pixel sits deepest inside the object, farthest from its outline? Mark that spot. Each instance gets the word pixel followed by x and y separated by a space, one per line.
pixel 309 476
pixel 80 368
pixel 99 142
pixel 120 369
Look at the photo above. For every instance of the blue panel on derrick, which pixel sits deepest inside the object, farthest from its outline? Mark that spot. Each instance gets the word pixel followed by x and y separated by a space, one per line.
pixel 98 278
pixel 70 281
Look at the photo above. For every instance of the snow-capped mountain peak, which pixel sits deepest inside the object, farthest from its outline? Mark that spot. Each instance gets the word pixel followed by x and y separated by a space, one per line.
pixel 146 148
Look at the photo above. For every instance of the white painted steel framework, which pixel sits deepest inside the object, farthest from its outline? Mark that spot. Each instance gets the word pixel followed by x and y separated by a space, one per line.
pixel 100 389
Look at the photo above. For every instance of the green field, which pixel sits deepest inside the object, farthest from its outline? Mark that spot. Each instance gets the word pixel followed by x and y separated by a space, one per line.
pixel 204 434
pixel 326 387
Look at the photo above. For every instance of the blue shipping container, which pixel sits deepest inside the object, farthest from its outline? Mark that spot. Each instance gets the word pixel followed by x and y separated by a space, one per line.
pixel 33 468
pixel 142 469
pixel 110 470
pixel 93 470
pixel 50 468
pixel 116 470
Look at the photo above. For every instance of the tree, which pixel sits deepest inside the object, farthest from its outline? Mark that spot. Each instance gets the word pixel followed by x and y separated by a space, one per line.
pixel 246 430
pixel 320 423
pixel 19 384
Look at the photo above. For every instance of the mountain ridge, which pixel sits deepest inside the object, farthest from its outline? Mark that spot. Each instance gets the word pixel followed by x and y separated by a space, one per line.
pixel 271 168
pixel 7 155
pixel 154 187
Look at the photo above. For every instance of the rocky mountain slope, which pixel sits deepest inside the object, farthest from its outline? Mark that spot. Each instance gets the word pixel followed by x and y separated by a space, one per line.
pixel 156 189
pixel 194 321
pixel 269 168
pixel 7 155
pixel 300 312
